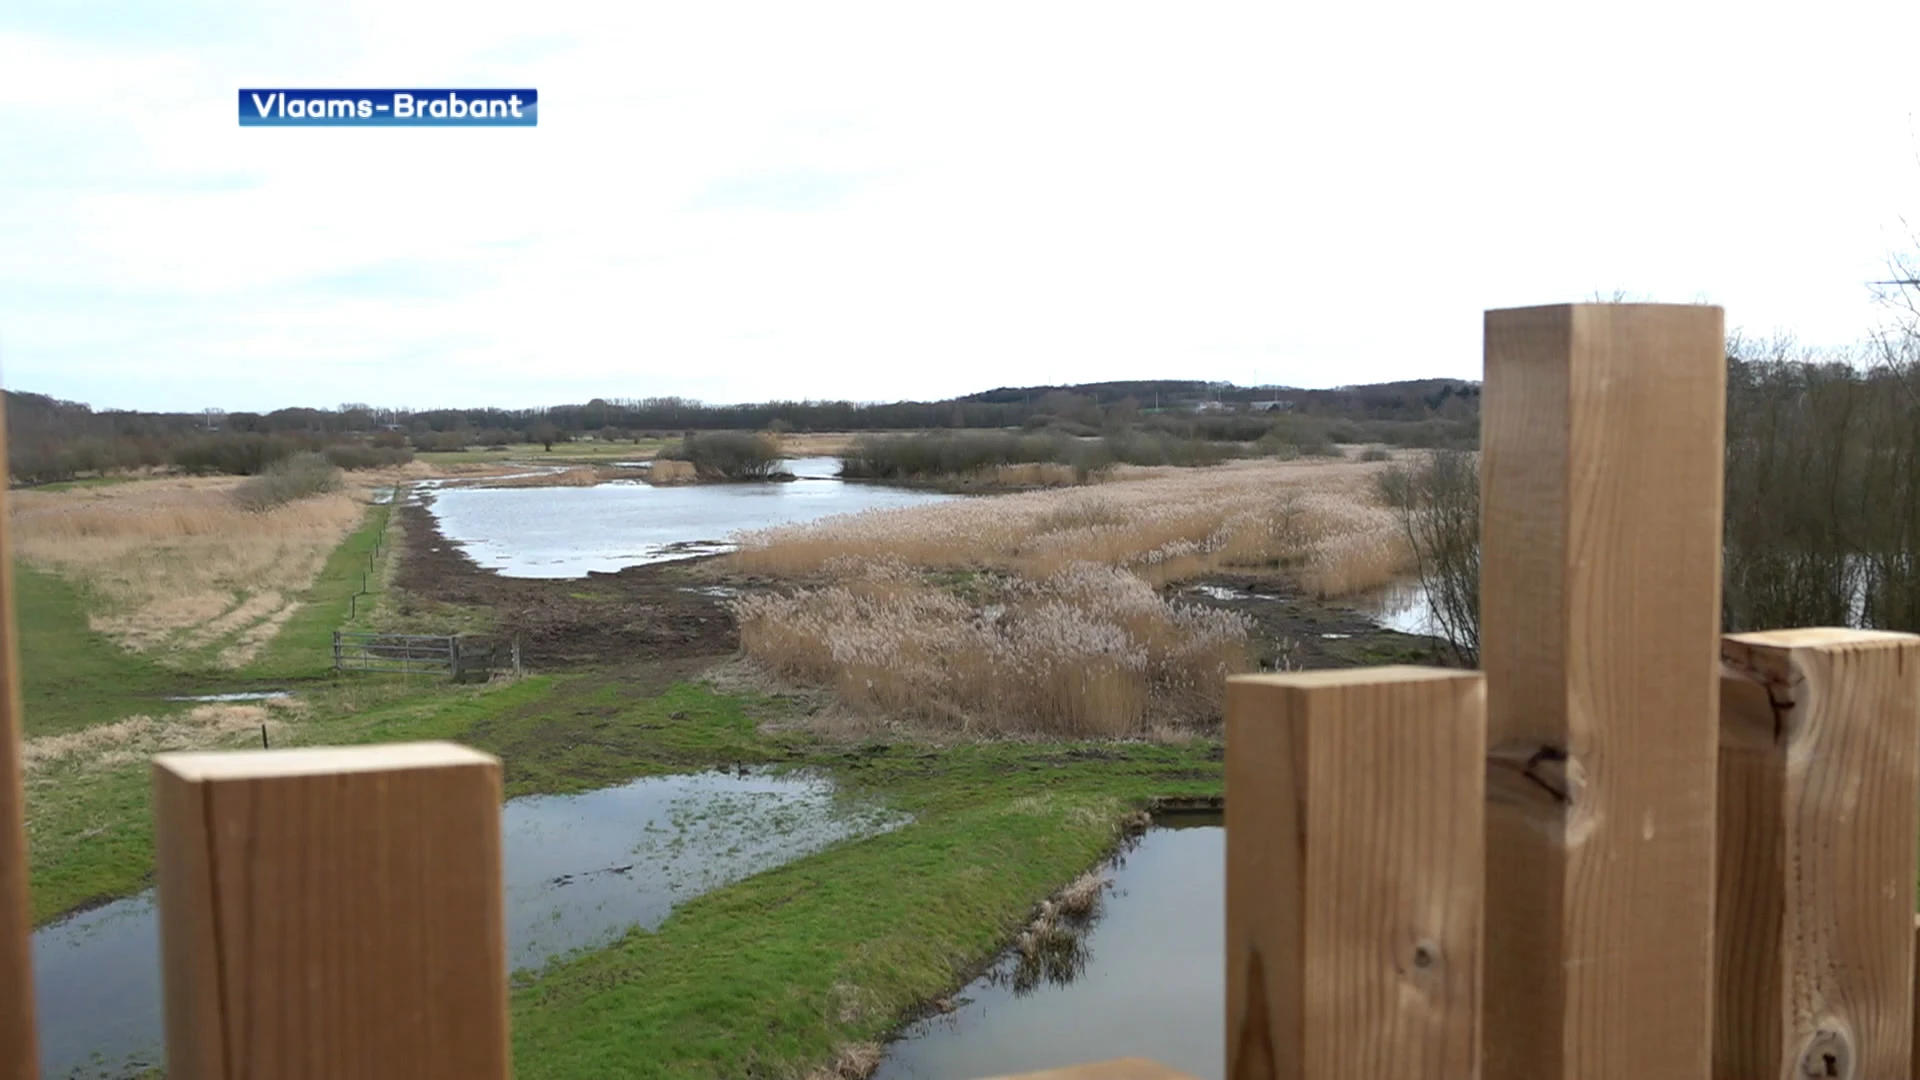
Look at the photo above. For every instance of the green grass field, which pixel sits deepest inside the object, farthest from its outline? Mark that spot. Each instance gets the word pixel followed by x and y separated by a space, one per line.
pixel 864 932
pixel 72 677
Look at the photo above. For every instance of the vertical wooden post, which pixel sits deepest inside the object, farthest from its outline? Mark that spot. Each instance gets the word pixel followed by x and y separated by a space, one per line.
pixel 453 656
pixel 332 912
pixel 1916 998
pixel 336 650
pixel 1602 433
pixel 1354 873
pixel 516 656
pixel 1819 781
pixel 19 1057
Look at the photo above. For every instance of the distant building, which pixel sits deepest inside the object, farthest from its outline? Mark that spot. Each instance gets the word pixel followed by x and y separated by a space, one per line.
pixel 1271 406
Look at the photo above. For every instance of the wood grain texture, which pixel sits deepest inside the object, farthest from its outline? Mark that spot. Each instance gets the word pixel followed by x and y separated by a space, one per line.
pixel 1819 784
pixel 1118 1069
pixel 18 1053
pixel 332 913
pixel 1916 998
pixel 1602 430
pixel 1354 873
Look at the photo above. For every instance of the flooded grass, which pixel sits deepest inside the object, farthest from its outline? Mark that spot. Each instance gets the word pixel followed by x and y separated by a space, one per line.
pixel 817 957
pixel 581 870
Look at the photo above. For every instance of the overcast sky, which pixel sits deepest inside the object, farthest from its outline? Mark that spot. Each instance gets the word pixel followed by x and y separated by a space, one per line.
pixel 739 202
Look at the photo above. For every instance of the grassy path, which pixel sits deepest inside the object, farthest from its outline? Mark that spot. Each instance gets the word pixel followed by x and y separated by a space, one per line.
pixel 303 649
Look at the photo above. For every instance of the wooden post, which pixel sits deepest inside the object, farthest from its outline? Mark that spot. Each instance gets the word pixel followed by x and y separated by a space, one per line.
pixel 453 656
pixel 19 1057
pixel 1601 455
pixel 1354 873
pixel 332 912
pixel 516 656
pixel 336 650
pixel 1819 781
pixel 1916 998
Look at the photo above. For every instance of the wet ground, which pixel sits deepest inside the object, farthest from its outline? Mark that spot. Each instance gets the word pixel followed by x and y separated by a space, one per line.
pixel 1296 631
pixel 1145 978
pixel 677 610
pixel 580 870
pixel 639 615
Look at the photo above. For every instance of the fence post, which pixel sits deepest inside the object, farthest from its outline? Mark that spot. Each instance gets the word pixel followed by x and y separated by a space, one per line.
pixel 1355 843
pixel 332 912
pixel 453 656
pixel 336 650
pixel 516 656
pixel 1819 781
pixel 1602 433
pixel 19 1056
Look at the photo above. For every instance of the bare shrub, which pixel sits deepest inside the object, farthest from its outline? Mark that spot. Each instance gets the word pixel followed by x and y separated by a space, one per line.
pixel 1437 502
pixel 730 455
pixel 298 477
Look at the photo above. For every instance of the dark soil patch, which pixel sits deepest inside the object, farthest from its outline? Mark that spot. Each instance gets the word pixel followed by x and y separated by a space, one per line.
pixel 1293 630
pixel 643 615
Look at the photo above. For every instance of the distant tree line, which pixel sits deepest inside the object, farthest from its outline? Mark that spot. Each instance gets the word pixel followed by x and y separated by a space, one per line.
pixel 50 439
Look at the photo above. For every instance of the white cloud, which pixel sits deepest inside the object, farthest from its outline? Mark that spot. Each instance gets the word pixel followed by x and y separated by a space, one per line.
pixel 883 200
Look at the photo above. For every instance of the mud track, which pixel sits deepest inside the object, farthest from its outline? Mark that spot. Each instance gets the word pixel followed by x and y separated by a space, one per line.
pixel 641 615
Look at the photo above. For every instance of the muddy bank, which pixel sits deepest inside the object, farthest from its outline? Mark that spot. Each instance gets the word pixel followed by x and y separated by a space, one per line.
pixel 1293 630
pixel 659 612
pixel 677 610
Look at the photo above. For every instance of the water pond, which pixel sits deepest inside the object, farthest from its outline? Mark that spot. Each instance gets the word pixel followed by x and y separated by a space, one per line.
pixel 565 532
pixel 1400 606
pixel 1147 978
pixel 580 870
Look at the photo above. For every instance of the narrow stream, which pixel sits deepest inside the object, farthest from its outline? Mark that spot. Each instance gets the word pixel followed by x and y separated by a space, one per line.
pixel 580 871
pixel 1148 978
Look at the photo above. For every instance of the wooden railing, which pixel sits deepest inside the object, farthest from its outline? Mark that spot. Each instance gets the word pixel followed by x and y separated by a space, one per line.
pixel 1630 848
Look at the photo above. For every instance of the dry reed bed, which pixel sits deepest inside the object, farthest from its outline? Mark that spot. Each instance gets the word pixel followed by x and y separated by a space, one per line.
pixel 1322 519
pixel 572 476
pixel 1054 623
pixel 176 563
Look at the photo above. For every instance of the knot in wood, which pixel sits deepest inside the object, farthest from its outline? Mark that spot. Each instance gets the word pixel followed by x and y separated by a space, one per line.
pixel 1827 1056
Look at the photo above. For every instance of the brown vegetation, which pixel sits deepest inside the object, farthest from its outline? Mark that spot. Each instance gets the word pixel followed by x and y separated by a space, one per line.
pixel 1040 611
pixel 667 471
pixel 137 738
pixel 1321 519
pixel 178 562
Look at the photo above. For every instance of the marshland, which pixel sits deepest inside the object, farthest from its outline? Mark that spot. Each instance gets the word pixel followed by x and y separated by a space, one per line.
pixel 929 685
